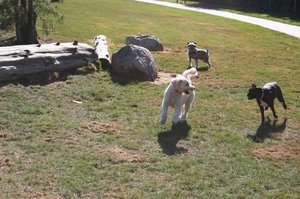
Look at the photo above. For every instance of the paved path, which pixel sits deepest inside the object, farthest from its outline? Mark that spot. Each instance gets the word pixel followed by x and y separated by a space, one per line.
pixel 273 25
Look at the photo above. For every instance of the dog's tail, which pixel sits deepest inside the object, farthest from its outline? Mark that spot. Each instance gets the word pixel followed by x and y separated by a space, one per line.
pixel 192 71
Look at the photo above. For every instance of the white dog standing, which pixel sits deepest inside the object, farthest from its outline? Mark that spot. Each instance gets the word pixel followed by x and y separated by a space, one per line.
pixel 179 94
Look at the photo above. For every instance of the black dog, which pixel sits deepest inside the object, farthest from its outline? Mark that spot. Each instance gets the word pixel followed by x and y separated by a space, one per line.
pixel 265 97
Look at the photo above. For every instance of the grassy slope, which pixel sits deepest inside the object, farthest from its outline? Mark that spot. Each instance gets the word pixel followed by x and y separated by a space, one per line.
pixel 48 151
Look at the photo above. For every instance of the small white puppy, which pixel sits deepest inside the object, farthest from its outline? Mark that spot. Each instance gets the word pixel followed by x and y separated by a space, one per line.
pixel 179 94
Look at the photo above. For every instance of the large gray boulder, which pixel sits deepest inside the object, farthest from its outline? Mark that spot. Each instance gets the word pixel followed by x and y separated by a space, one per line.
pixel 152 43
pixel 134 63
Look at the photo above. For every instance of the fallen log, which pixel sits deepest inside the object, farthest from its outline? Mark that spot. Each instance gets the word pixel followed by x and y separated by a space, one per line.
pixel 101 48
pixel 22 60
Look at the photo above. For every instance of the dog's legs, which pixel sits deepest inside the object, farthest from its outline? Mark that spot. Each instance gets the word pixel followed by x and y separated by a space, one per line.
pixel 176 114
pixel 165 106
pixel 197 66
pixel 190 63
pixel 164 115
pixel 209 64
pixel 273 111
pixel 262 111
pixel 280 97
pixel 182 114
pixel 207 59
pixel 186 108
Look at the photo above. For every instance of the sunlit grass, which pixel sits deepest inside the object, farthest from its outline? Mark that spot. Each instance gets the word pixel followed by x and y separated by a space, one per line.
pixel 50 152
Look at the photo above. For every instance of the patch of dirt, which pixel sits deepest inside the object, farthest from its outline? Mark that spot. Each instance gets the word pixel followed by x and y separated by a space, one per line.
pixel 80 195
pixel 125 155
pixel 165 78
pixel 203 77
pixel 114 191
pixel 3 135
pixel 4 162
pixel 36 195
pixel 287 149
pixel 98 127
pixel 72 140
pixel 2 97
pixel 173 51
pixel 280 151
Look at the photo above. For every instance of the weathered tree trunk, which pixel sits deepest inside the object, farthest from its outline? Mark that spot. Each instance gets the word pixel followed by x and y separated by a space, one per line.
pixel 32 17
pixel 26 32
pixel 101 48
pixel 18 61
pixel 295 7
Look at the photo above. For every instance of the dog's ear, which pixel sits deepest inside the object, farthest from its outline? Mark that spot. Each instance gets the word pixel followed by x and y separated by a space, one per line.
pixel 253 85
pixel 174 81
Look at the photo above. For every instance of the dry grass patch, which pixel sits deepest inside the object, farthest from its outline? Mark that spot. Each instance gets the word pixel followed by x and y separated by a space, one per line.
pixel 2 97
pixel 37 195
pixel 281 151
pixel 3 135
pixel 124 155
pixel 72 140
pixel 164 78
pixel 4 161
pixel 98 127
pixel 57 85
pixel 288 148
pixel 173 51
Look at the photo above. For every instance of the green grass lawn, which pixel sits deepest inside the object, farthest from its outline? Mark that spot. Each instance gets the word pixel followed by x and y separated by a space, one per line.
pixel 112 145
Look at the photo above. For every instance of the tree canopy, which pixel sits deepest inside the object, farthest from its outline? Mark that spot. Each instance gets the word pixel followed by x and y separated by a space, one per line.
pixel 22 16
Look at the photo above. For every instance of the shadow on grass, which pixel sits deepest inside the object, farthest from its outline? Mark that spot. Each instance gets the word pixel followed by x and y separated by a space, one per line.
pixel 203 68
pixel 267 130
pixel 122 80
pixel 168 139
pixel 47 77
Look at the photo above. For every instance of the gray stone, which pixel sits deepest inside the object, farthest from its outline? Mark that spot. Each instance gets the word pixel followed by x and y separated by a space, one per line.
pixel 152 43
pixel 134 63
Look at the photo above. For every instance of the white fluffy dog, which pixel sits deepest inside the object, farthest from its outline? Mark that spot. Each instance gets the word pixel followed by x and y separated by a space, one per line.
pixel 179 94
